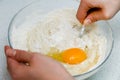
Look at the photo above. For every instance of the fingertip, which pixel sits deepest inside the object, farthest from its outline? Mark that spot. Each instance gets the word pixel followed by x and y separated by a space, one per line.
pixel 9 51
pixel 87 21
pixel 6 47
pixel 79 19
pixel 80 16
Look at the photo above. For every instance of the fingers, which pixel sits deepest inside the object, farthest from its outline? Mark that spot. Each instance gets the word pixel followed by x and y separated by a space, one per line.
pixel 23 56
pixel 82 11
pixel 19 55
pixel 17 70
pixel 90 11
pixel 12 65
pixel 9 51
pixel 94 16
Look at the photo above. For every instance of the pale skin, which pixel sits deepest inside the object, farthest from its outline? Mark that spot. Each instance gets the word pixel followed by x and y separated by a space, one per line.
pixel 24 65
pixel 90 11
pixel 41 67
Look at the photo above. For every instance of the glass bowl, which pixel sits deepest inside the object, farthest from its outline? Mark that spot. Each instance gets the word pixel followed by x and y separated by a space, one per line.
pixel 49 5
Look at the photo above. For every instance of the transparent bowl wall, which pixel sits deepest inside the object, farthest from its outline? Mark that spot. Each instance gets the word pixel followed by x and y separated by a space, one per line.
pixel 49 5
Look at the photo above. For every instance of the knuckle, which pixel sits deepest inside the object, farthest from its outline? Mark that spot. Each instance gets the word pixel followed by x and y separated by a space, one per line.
pixel 92 18
pixel 107 15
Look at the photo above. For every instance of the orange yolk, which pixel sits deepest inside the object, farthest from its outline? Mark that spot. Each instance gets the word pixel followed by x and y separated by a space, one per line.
pixel 74 56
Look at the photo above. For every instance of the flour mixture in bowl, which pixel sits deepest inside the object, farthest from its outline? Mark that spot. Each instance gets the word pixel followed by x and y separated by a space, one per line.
pixel 56 34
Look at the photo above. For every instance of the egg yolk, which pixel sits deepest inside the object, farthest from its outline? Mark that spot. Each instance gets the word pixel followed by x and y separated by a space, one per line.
pixel 74 56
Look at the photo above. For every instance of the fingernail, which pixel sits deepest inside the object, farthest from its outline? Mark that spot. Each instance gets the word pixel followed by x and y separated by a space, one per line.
pixel 10 52
pixel 87 22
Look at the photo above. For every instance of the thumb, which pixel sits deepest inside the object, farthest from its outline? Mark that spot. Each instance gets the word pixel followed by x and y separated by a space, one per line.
pixel 19 55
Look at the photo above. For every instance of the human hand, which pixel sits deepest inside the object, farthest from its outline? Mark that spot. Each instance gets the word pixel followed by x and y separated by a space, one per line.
pixel 40 66
pixel 93 10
